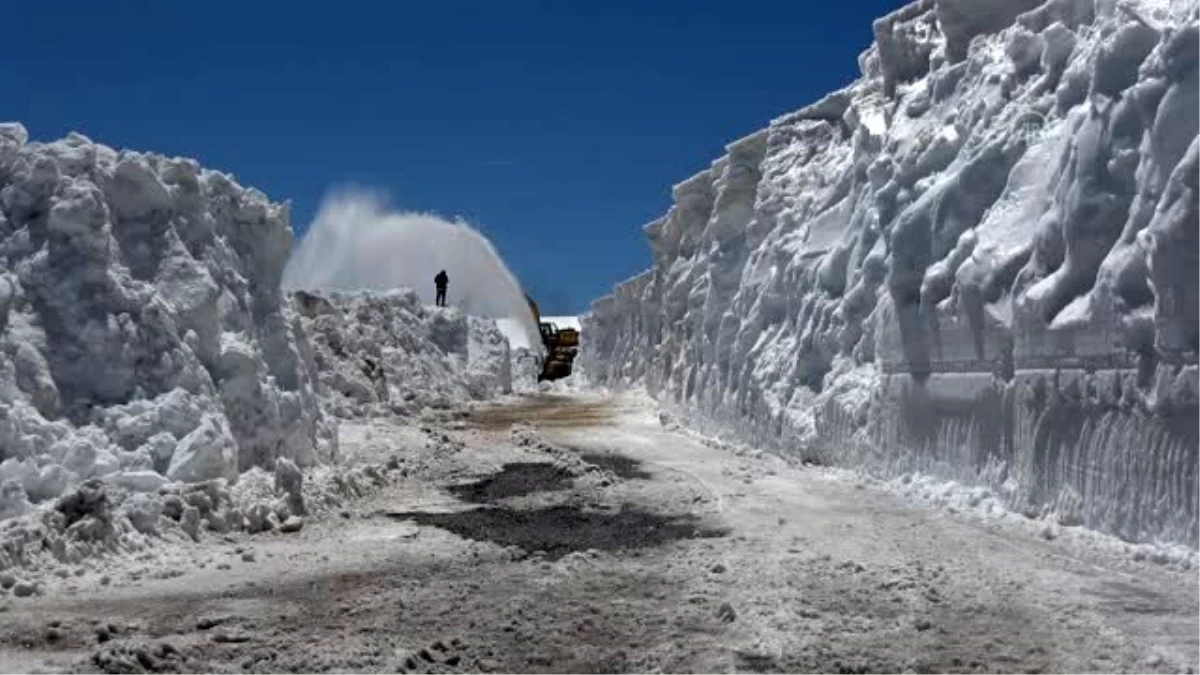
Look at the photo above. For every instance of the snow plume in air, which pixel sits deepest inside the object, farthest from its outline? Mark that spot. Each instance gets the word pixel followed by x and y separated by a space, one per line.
pixel 357 242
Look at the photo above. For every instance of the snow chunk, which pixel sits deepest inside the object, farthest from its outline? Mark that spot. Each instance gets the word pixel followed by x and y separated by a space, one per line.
pixel 137 481
pixel 207 452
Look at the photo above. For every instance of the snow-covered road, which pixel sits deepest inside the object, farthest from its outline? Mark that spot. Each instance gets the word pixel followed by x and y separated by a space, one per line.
pixel 828 569
pixel 598 540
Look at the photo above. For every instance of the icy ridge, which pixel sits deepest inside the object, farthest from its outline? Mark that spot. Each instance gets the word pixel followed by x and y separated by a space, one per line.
pixel 977 261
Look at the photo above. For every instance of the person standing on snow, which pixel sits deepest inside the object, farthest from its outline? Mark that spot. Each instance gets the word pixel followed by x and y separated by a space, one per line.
pixel 440 282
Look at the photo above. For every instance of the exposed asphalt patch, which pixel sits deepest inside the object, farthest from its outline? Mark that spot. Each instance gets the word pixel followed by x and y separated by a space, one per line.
pixel 624 467
pixel 514 480
pixel 559 530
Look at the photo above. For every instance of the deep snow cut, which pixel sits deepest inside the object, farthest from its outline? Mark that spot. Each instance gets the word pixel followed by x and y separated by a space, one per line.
pixel 142 327
pixel 153 374
pixel 357 243
pixel 977 261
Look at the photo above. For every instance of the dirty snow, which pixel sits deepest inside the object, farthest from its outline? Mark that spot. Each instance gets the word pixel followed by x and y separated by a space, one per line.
pixel 576 533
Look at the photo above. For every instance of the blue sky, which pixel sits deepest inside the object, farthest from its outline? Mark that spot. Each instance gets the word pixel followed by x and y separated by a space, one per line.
pixel 558 128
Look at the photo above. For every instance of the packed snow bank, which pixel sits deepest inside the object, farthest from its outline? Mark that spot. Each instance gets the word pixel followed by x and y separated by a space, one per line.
pixel 154 379
pixel 386 352
pixel 70 535
pixel 143 335
pixel 356 243
pixel 977 261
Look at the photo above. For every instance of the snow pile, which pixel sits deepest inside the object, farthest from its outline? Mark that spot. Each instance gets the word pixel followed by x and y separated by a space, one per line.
pixel 143 335
pixel 386 352
pixel 99 517
pixel 978 261
pixel 154 379
pixel 357 243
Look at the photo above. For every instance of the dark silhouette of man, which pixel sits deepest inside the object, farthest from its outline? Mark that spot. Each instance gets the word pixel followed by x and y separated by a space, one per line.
pixel 440 282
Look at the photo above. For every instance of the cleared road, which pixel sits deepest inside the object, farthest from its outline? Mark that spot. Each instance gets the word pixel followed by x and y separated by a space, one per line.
pixel 596 541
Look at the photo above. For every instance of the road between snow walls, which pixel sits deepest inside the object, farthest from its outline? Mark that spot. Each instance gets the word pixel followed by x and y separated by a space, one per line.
pixel 977 262
pixel 577 533
pixel 156 384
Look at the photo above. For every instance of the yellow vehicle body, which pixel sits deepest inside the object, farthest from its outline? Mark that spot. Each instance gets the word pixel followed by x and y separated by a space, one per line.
pixel 562 344
pixel 568 337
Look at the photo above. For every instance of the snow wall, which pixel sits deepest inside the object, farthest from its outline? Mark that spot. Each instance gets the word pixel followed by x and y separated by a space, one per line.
pixel 145 348
pixel 978 261
pixel 153 376
pixel 379 353
pixel 142 326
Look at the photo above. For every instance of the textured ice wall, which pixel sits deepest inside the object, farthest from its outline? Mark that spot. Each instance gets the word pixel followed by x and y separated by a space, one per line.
pixel 388 353
pixel 154 379
pixel 978 261
pixel 143 335
pixel 357 243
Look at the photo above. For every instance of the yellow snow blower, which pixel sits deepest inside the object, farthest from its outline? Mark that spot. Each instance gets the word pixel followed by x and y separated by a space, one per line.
pixel 562 344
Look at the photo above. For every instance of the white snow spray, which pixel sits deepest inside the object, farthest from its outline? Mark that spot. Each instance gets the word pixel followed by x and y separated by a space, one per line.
pixel 356 242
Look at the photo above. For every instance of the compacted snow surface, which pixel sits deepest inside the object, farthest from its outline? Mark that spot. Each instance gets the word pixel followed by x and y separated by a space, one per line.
pixel 584 533
pixel 976 262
